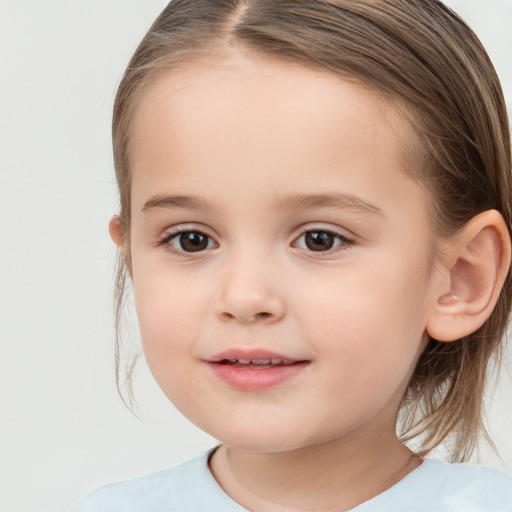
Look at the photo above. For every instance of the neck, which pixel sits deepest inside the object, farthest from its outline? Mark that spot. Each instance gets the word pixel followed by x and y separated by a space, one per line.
pixel 336 475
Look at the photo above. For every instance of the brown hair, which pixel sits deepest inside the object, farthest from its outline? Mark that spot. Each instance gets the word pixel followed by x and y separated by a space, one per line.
pixel 423 57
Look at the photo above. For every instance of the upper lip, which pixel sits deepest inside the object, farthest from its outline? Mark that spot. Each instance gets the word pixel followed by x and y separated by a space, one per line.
pixel 251 355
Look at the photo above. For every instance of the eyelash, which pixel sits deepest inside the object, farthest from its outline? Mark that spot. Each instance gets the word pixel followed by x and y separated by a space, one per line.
pixel 344 242
pixel 164 242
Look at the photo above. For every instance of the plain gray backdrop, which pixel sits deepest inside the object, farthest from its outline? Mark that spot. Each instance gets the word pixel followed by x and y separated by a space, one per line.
pixel 63 429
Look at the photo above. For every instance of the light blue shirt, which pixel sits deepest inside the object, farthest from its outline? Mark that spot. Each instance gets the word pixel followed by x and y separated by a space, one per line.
pixel 435 486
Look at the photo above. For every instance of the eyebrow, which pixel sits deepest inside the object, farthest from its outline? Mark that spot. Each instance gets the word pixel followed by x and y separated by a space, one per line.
pixel 336 201
pixel 289 202
pixel 180 202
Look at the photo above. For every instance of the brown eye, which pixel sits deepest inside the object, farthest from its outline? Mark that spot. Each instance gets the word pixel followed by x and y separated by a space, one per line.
pixel 319 240
pixel 190 241
pixel 322 240
pixel 193 241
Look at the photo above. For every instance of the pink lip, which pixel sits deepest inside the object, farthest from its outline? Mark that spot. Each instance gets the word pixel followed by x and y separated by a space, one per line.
pixel 254 377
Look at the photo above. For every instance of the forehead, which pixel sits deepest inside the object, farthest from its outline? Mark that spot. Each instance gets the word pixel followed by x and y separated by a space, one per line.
pixel 231 87
pixel 251 121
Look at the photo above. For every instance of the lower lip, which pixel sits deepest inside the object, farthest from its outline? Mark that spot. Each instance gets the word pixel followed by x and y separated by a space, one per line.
pixel 256 379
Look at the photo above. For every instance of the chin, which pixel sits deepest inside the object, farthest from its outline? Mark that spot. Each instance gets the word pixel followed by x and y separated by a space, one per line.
pixel 258 445
pixel 262 440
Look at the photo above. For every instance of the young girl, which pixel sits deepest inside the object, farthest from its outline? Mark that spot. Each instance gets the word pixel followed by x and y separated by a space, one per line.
pixel 315 218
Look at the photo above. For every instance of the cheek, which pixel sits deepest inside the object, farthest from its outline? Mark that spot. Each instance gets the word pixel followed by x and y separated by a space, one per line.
pixel 371 322
pixel 168 313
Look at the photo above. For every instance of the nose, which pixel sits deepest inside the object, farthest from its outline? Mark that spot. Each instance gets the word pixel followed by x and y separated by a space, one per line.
pixel 250 292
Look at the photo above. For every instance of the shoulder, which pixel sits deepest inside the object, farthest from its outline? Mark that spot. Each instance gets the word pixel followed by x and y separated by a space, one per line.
pixel 472 480
pixel 450 487
pixel 187 487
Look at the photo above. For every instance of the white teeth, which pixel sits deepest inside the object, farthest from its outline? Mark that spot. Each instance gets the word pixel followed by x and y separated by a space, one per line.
pixel 286 362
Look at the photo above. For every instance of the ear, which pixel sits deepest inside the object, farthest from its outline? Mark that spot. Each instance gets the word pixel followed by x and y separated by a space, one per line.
pixel 116 231
pixel 473 269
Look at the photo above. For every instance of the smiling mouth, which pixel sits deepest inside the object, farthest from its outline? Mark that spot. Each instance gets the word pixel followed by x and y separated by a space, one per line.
pixel 257 363
pixel 255 370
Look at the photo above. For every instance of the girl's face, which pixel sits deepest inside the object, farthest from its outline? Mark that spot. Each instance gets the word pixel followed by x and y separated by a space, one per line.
pixel 272 221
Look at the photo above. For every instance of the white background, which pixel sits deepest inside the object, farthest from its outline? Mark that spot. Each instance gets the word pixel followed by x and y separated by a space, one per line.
pixel 63 429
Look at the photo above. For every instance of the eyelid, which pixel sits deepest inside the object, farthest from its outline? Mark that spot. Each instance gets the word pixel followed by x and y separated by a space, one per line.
pixel 346 241
pixel 170 233
pixel 187 227
pixel 328 228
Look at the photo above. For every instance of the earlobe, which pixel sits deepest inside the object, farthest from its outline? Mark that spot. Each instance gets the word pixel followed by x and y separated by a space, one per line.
pixel 476 264
pixel 116 231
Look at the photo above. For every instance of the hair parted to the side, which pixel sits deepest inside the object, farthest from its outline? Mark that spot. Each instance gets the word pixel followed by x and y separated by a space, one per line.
pixel 421 56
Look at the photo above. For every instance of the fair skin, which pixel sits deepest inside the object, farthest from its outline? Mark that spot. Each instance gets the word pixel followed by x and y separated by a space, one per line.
pixel 308 240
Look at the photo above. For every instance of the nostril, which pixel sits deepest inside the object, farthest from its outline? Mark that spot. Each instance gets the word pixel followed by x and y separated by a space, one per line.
pixel 226 315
